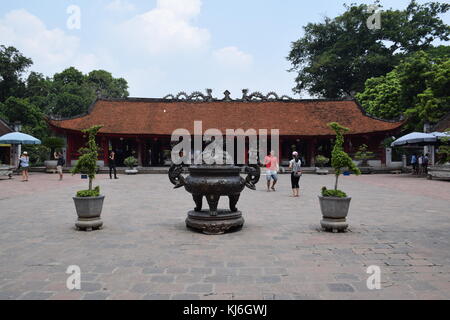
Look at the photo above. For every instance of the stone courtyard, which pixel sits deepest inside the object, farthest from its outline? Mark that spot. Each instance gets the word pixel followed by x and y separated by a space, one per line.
pixel 397 222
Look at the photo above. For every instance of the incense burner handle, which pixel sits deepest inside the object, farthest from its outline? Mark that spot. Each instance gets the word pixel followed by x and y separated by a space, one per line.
pixel 176 177
pixel 253 175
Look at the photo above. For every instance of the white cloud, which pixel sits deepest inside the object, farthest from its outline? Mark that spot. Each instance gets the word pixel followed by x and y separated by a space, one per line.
pixel 120 6
pixel 51 50
pixel 165 29
pixel 232 57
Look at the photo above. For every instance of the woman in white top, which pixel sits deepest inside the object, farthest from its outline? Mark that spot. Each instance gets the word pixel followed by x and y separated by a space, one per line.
pixel 24 161
pixel 296 165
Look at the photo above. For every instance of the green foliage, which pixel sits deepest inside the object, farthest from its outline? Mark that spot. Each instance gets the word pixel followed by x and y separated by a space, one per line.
pixel 87 162
pixel 12 66
pixel 340 159
pixel 89 193
pixel 38 153
pixel 364 155
pixel 31 117
pixel 419 88
pixel 54 144
pixel 444 150
pixel 322 160
pixel 130 162
pixel 333 193
pixel 334 58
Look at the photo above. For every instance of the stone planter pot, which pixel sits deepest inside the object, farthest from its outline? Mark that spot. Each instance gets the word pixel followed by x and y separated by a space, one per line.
pixel 334 213
pixel 50 166
pixel 366 170
pixel 322 171
pixel 131 171
pixel 89 210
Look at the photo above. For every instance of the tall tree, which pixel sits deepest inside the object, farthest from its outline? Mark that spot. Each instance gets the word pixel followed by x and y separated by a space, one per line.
pixel 12 66
pixel 418 88
pixel 334 58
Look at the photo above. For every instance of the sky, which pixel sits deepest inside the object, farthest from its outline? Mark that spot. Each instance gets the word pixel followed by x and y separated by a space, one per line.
pixel 168 46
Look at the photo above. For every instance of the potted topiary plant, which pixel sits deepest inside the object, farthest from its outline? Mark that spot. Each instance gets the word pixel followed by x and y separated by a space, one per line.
pixel 54 144
pixel 88 203
pixel 363 155
pixel 335 203
pixel 131 163
pixel 321 161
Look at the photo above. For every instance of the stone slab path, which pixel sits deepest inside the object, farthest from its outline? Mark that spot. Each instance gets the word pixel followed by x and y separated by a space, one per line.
pixel 397 222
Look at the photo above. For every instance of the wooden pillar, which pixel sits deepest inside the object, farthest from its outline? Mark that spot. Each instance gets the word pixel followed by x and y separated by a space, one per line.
pixel 105 149
pixel 139 151
pixel 69 150
pixel 312 147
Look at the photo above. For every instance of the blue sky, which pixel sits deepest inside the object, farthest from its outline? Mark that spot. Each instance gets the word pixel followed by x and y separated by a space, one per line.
pixel 167 46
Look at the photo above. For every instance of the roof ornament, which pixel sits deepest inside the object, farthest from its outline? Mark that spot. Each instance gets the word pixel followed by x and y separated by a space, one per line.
pixel 227 96
pixel 198 96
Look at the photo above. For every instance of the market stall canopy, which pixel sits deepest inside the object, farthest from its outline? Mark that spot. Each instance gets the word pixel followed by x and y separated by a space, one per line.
pixel 18 138
pixel 415 138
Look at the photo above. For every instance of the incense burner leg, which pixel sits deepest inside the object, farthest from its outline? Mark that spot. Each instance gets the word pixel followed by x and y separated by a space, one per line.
pixel 198 199
pixel 213 201
pixel 233 201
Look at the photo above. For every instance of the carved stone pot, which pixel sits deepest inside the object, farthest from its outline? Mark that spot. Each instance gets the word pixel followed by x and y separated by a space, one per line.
pixel 89 210
pixel 213 182
pixel 334 213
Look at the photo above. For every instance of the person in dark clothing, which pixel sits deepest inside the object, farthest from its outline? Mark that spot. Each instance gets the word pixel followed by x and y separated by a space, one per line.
pixel 295 164
pixel 112 165
pixel 61 162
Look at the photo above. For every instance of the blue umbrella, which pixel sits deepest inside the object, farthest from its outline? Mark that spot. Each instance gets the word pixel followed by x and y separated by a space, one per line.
pixel 415 138
pixel 18 138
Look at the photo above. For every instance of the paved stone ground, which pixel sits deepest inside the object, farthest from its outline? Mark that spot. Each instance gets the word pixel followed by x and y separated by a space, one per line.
pixel 399 223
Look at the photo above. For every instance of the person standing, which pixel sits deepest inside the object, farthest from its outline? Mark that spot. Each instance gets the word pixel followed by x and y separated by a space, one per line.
pixel 272 165
pixel 414 163
pixel 112 165
pixel 24 163
pixel 425 162
pixel 61 162
pixel 420 165
pixel 296 165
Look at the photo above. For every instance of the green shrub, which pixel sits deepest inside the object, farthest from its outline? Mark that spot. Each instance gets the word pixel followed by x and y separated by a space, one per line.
pixel 87 162
pixel 364 155
pixel 333 193
pixel 54 144
pixel 131 162
pixel 38 153
pixel 339 158
pixel 89 193
pixel 322 160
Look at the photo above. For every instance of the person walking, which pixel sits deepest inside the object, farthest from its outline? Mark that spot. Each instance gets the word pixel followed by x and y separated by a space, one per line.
pixel 296 166
pixel 61 162
pixel 112 165
pixel 24 165
pixel 272 165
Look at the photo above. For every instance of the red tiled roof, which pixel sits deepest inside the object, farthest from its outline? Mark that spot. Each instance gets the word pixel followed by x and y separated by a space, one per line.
pixel 153 116
pixel 4 128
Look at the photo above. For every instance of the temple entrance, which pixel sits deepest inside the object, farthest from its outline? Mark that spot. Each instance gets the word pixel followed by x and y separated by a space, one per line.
pixel 157 152
pixel 290 145
pixel 123 148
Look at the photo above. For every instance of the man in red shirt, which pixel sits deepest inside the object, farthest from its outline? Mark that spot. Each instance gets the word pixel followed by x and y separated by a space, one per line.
pixel 272 165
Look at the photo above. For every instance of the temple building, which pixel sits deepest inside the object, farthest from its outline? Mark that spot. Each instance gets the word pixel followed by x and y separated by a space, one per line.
pixel 142 127
pixel 6 150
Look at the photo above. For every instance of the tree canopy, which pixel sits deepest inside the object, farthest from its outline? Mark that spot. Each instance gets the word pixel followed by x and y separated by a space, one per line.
pixel 418 88
pixel 334 58
pixel 68 93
